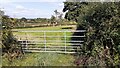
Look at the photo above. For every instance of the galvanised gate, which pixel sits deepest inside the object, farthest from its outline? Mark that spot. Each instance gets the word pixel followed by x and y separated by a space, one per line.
pixel 49 41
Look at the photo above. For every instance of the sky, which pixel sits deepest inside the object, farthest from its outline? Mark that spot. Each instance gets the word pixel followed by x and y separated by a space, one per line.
pixel 31 8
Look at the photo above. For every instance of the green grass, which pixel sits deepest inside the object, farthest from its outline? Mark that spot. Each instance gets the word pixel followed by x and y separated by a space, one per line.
pixel 42 59
pixel 47 28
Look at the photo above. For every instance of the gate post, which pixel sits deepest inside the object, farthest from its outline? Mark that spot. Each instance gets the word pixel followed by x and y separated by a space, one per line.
pixel 45 39
pixel 65 40
pixel 26 42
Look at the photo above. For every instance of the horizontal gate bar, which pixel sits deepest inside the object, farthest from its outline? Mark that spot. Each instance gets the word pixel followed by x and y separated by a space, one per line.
pixel 51 36
pixel 49 43
pixel 46 40
pixel 48 51
pixel 48 31
pixel 59 46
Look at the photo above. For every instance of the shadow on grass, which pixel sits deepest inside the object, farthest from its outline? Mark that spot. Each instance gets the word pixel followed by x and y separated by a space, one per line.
pixel 77 39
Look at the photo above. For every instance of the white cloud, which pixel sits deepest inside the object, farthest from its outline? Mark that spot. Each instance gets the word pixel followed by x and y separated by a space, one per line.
pixel 18 10
pixel 19 7
pixel 22 11
pixel 4 1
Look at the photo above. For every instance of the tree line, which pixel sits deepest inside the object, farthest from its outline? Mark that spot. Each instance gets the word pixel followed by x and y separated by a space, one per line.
pixel 55 20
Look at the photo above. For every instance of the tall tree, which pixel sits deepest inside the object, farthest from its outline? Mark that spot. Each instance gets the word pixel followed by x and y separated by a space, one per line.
pixel 56 13
pixel 102 22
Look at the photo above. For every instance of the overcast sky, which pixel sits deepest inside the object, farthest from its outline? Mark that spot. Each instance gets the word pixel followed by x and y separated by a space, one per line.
pixel 31 8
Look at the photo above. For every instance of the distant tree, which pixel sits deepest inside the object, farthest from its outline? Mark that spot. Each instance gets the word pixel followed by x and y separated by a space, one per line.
pixel 60 16
pixel 53 19
pixel 23 20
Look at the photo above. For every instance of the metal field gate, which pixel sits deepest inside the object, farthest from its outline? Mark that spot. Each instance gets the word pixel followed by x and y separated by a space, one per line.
pixel 49 41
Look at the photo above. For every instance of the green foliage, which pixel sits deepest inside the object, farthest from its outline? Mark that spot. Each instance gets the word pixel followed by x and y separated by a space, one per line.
pixel 102 22
pixel 7 37
pixel 75 10
pixel 10 45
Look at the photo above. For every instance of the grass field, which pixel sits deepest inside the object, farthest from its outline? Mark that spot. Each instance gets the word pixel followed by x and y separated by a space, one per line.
pixel 42 59
pixel 39 36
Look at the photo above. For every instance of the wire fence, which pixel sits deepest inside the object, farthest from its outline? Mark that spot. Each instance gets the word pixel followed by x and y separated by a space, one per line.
pixel 50 41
